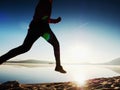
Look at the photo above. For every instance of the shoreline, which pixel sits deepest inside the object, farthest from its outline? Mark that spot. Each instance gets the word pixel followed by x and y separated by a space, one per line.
pixel 111 83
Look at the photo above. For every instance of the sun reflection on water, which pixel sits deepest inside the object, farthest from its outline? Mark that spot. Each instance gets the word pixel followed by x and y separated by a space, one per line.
pixel 80 79
pixel 79 74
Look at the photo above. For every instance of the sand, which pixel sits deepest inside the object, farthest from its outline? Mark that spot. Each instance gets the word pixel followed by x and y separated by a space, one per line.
pixel 111 83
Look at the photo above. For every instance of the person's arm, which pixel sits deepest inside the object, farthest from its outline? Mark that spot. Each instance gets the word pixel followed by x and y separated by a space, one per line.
pixel 54 21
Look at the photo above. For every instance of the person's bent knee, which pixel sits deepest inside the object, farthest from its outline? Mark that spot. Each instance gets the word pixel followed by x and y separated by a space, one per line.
pixel 56 44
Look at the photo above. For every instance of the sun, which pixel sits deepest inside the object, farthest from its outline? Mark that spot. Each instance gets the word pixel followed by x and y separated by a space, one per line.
pixel 79 51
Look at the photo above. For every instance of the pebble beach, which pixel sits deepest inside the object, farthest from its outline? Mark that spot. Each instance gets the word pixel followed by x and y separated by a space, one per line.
pixel 111 83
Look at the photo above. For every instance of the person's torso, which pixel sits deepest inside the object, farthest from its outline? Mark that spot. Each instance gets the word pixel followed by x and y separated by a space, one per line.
pixel 42 11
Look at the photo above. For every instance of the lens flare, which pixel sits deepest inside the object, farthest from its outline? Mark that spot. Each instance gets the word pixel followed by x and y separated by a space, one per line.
pixel 46 36
pixel 45 18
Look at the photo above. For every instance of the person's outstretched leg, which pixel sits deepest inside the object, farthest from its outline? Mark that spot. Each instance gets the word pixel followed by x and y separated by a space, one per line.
pixel 51 38
pixel 29 40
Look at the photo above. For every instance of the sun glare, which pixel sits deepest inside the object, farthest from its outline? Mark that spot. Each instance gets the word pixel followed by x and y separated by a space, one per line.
pixel 80 79
pixel 79 51
pixel 78 74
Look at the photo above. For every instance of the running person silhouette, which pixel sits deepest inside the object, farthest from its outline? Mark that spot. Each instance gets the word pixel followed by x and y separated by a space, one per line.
pixel 39 26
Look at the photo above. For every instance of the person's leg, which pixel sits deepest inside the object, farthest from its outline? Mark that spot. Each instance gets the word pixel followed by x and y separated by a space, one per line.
pixel 28 42
pixel 51 38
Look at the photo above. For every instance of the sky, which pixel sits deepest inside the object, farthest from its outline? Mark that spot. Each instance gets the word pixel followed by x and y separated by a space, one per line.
pixel 89 30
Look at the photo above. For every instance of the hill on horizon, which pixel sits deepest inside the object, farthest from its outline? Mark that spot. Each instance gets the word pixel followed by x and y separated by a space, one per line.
pixel 31 61
pixel 113 62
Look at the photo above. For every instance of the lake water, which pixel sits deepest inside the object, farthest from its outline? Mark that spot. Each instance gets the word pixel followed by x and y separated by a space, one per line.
pixel 46 74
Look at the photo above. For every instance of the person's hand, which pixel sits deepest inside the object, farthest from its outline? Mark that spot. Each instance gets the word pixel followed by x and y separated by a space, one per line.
pixel 58 19
pixel 54 21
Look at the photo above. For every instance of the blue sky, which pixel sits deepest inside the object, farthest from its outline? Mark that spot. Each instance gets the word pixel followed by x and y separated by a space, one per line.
pixel 89 31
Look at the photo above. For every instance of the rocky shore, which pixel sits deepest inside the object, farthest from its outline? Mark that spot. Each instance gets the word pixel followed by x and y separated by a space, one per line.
pixel 112 83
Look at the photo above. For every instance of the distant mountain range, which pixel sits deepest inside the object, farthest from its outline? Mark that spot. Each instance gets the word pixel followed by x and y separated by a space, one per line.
pixel 31 61
pixel 114 62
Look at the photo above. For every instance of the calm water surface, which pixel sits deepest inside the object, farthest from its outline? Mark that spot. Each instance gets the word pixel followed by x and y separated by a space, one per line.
pixel 45 74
